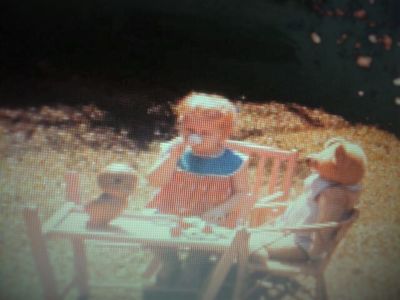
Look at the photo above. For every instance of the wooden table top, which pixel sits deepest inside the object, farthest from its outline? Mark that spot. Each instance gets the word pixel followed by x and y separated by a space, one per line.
pixel 144 229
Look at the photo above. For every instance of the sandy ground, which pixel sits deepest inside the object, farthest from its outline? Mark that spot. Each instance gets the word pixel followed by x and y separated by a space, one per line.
pixel 34 157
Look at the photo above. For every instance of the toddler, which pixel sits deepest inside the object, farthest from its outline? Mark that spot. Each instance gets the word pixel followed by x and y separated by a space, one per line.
pixel 197 175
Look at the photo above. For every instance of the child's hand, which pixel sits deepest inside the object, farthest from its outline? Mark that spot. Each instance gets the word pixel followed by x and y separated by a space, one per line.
pixel 178 145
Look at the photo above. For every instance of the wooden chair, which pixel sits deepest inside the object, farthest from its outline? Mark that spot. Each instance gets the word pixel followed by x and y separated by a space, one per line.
pixel 271 179
pixel 312 267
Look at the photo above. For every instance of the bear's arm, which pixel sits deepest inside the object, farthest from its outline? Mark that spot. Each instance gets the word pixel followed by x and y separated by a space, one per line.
pixel 332 203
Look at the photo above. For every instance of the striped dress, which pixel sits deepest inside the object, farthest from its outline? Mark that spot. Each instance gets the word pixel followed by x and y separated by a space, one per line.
pixel 199 183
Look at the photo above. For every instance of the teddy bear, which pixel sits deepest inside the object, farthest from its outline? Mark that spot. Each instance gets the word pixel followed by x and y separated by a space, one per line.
pixel 117 181
pixel 340 161
pixel 340 167
pixel 329 194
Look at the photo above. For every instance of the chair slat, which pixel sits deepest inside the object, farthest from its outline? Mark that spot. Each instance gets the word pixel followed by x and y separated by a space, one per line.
pixel 290 168
pixel 259 176
pixel 273 180
pixel 252 148
pixel 279 178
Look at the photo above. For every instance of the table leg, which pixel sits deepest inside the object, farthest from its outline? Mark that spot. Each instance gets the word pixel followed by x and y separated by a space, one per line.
pixel 218 275
pixel 223 266
pixel 152 267
pixel 242 257
pixel 80 261
pixel 40 253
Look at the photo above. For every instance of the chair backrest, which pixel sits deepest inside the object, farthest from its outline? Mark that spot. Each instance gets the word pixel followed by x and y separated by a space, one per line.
pixel 271 174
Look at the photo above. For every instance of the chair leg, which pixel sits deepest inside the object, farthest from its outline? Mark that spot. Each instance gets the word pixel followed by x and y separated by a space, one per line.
pixel 218 275
pixel 40 254
pixel 224 265
pixel 152 267
pixel 81 273
pixel 321 293
pixel 242 256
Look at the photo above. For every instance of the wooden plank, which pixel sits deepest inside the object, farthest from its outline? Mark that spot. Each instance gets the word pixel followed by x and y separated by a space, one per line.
pixel 288 176
pixel 80 263
pixel 153 217
pixel 139 231
pixel 273 179
pixel 152 267
pixel 263 202
pixel 72 192
pixel 114 245
pixel 67 288
pixel 111 284
pixel 139 215
pixel 319 226
pixel 58 217
pixel 223 266
pixel 299 228
pixel 39 251
pixel 219 274
pixel 217 245
pixel 242 251
pixel 260 172
pixel 272 205
pixel 248 148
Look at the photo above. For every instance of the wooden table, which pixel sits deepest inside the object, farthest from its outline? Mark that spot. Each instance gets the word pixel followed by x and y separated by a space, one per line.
pixel 69 222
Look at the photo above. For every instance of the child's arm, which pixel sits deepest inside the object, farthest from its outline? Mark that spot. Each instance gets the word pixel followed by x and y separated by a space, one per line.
pixel 240 191
pixel 162 171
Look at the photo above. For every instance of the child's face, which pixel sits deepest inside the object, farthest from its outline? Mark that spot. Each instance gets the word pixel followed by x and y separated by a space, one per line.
pixel 212 136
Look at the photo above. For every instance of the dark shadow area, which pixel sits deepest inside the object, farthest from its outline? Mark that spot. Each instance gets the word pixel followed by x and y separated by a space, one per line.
pixel 127 56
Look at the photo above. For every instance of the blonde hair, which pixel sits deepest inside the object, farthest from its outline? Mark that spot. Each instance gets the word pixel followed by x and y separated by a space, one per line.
pixel 212 106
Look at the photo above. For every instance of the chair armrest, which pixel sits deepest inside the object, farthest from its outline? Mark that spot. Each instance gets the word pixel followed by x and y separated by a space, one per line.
pixel 311 227
pixel 58 216
pixel 271 205
pixel 299 228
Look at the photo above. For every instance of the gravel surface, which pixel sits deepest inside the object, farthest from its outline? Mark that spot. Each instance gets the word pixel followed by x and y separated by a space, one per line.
pixel 38 146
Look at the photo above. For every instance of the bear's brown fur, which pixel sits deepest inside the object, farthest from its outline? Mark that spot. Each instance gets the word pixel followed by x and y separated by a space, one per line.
pixel 340 161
